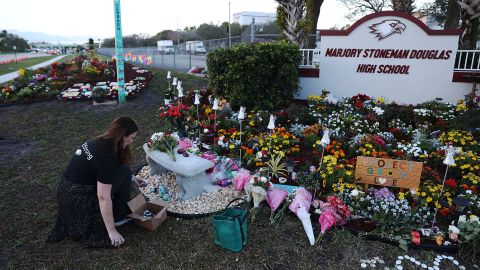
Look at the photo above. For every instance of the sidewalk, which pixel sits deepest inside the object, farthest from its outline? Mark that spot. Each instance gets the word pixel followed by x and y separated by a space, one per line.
pixel 13 75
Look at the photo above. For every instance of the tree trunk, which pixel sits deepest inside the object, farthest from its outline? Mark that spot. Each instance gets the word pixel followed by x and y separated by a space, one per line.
pixel 403 5
pixel 468 40
pixel 453 15
pixel 313 12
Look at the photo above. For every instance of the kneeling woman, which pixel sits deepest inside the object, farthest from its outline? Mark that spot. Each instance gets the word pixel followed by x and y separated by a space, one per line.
pixel 95 188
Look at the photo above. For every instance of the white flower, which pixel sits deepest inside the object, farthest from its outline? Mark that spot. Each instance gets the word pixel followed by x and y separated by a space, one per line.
pixel 205 130
pixel 263 179
pixel 474 218
pixel 259 154
pixel 453 229
pixel 378 110
pixel 462 219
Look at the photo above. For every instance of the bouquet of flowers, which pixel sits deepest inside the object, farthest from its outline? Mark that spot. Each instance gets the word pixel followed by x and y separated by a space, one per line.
pixel 164 142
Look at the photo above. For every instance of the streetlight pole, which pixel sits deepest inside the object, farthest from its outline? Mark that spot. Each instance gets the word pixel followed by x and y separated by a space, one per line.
pixel 229 28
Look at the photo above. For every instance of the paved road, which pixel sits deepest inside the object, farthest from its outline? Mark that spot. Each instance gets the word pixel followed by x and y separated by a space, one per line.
pixel 13 75
pixel 5 57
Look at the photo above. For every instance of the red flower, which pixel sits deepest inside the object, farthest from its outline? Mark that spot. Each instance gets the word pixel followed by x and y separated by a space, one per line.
pixel 451 183
pixel 445 211
pixel 415 237
pixel 358 104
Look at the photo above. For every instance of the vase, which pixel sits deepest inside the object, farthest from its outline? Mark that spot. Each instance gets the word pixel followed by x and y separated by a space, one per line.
pixel 182 133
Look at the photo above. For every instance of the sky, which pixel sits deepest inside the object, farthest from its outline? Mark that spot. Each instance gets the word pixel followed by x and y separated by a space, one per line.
pixel 95 17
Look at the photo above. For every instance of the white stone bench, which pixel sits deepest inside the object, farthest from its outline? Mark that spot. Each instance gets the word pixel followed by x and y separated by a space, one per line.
pixel 189 171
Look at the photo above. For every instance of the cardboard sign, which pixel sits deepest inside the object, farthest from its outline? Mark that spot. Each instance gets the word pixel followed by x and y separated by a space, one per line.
pixel 388 172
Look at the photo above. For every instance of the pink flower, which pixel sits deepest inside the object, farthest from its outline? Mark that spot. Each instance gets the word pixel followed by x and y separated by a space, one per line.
pixel 185 143
pixel 275 197
pixel 327 220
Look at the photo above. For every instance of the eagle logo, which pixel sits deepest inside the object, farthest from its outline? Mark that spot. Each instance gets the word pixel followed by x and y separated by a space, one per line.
pixel 387 28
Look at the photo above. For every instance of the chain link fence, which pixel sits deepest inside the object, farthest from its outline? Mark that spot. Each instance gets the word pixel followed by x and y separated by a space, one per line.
pixel 182 60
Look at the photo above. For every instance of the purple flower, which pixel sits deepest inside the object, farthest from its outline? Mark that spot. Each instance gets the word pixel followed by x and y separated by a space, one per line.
pixel 383 193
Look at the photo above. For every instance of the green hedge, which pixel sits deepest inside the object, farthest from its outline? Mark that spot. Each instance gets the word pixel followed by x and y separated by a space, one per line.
pixel 257 76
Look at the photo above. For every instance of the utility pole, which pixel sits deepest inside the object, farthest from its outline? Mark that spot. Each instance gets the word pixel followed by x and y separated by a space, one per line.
pixel 252 31
pixel 229 28
pixel 178 34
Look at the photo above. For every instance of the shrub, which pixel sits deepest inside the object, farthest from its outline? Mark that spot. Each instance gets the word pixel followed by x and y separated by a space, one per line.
pixel 25 92
pixel 99 92
pixel 257 76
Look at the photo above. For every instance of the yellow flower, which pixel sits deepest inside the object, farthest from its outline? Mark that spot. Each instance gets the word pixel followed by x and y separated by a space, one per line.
pixel 232 146
pixel 424 194
pixel 348 173
pixel 429 199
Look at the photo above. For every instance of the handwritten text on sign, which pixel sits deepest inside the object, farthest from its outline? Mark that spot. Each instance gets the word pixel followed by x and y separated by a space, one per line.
pixel 388 172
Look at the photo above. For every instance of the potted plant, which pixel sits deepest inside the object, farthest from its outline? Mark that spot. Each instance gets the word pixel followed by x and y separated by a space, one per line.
pixel 99 94
pixel 275 168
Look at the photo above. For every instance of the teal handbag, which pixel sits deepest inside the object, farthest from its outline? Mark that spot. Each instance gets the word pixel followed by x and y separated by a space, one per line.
pixel 230 227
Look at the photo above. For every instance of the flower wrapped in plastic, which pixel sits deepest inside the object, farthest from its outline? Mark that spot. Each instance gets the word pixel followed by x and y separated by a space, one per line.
pixel 332 212
pixel 300 206
pixel 242 177
pixel 275 197
pixel 164 142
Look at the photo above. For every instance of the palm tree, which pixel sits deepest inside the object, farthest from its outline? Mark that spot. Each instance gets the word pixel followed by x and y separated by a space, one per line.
pixel 470 13
pixel 292 17
pixel 298 20
pixel 403 5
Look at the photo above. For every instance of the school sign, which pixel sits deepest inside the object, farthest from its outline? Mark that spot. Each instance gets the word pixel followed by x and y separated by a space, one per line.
pixel 388 54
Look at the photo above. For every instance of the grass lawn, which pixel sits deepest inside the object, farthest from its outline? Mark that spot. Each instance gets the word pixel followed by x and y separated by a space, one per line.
pixel 12 67
pixel 37 143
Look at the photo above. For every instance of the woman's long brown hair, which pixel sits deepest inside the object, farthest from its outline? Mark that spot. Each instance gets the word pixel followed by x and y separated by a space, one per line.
pixel 119 128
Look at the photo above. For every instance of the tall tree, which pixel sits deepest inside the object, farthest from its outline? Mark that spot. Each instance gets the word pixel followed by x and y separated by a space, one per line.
pixel 8 40
pixel 403 5
pixel 360 8
pixel 313 12
pixel 470 13
pixel 452 17
pixel 298 20
pixel 437 9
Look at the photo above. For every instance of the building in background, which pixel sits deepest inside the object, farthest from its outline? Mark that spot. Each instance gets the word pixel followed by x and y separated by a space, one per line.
pixel 245 17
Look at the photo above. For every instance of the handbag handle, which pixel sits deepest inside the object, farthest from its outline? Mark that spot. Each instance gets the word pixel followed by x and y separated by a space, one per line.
pixel 246 208
pixel 234 200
